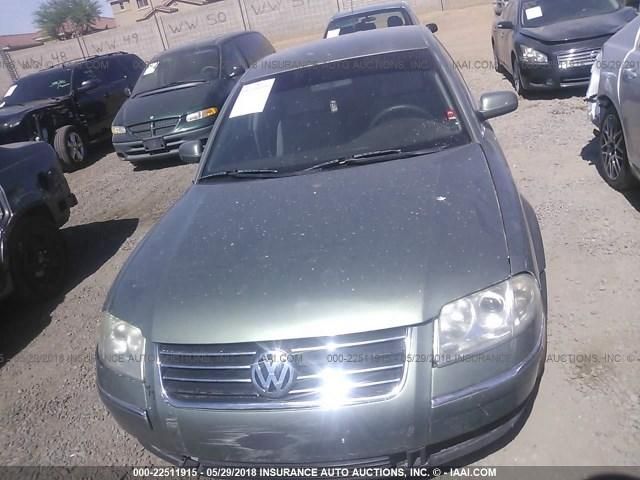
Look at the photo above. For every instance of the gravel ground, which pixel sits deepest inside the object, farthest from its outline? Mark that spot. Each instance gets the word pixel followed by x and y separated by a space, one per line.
pixel 587 411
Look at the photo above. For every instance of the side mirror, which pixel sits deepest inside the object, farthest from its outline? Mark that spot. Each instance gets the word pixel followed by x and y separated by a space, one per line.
pixel 495 104
pixel 433 27
pixel 236 71
pixel 190 152
pixel 127 92
pixel 505 25
pixel 87 85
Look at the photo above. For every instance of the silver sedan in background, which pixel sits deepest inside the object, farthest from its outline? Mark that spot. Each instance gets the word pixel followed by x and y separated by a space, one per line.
pixel 615 96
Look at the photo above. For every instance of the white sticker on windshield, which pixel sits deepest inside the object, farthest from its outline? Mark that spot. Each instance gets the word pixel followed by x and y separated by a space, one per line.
pixel 12 89
pixel 252 98
pixel 151 68
pixel 533 13
pixel 333 33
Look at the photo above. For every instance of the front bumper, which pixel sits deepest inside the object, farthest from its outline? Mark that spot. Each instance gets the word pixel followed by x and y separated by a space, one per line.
pixel 134 151
pixel 552 77
pixel 433 420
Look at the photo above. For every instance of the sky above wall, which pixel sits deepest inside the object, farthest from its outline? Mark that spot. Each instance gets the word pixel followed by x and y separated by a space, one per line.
pixel 17 15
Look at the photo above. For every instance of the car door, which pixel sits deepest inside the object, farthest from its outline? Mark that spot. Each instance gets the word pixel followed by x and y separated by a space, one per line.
pixel 117 79
pixel 91 93
pixel 509 14
pixel 629 78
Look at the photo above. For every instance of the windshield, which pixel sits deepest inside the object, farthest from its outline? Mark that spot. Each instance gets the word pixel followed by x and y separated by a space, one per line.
pixel 538 13
pixel 199 65
pixel 300 118
pixel 368 21
pixel 39 86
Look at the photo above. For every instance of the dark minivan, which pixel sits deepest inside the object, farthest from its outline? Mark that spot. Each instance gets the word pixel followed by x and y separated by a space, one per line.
pixel 179 94
pixel 552 44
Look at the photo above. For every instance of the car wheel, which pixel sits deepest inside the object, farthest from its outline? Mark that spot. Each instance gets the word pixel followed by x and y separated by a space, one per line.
pixel 517 78
pixel 37 258
pixel 70 146
pixel 614 165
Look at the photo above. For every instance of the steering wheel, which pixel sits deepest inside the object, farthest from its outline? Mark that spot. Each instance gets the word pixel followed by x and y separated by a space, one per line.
pixel 399 110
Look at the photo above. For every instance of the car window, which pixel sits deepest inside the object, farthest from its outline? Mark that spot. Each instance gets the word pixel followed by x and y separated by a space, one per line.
pixel 86 71
pixel 201 64
pixel 369 21
pixel 297 119
pixel 254 47
pixel 231 58
pixel 115 71
pixel 38 86
pixel 133 66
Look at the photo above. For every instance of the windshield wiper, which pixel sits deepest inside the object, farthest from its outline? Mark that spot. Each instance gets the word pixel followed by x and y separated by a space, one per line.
pixel 246 173
pixel 372 157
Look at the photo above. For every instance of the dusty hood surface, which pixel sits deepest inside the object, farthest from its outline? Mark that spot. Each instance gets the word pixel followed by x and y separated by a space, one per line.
pixel 329 253
pixel 581 29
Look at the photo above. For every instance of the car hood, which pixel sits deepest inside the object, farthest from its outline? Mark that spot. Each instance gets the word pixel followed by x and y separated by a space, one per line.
pixel 328 253
pixel 170 103
pixel 581 29
pixel 12 114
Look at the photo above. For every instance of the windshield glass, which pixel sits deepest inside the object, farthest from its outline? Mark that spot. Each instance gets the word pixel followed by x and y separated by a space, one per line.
pixel 39 86
pixel 300 118
pixel 538 13
pixel 369 21
pixel 198 65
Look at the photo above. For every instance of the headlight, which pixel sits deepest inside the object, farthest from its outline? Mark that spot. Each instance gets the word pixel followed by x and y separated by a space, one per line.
pixel 482 320
pixel 118 130
pixel 207 112
pixel 531 55
pixel 121 346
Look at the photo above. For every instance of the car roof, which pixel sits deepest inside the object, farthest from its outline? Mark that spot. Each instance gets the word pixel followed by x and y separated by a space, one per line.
pixel 371 8
pixel 343 47
pixel 216 41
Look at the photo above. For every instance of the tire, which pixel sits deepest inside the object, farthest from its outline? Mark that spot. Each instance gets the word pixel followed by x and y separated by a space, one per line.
pixel 613 164
pixel 37 259
pixel 70 147
pixel 517 78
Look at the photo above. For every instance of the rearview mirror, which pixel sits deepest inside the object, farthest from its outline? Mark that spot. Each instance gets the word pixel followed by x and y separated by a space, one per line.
pixel 505 25
pixel 495 104
pixel 433 27
pixel 127 92
pixel 190 152
pixel 236 71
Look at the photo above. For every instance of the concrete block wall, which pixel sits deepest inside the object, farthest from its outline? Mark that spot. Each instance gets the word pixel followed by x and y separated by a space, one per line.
pixel 282 21
pixel 142 39
pixel 34 59
pixel 205 22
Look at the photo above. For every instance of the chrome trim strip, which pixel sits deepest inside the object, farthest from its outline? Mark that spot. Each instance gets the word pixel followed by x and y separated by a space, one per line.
pixel 345 345
pixel 355 372
pixel 206 354
pixel 494 382
pixel 201 367
pixel 356 385
pixel 208 380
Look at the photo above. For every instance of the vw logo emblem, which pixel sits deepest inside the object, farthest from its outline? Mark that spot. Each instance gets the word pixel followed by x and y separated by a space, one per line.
pixel 273 374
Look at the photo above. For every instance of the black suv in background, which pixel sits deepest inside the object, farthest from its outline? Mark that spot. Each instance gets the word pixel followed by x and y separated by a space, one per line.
pixel 69 105
pixel 35 202
pixel 179 94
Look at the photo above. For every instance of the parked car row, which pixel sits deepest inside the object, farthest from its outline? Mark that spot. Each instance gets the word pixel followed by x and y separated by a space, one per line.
pixel 345 186
pixel 342 187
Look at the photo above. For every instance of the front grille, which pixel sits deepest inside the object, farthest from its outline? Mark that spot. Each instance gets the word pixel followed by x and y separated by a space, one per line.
pixel 368 365
pixel 577 58
pixel 154 128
